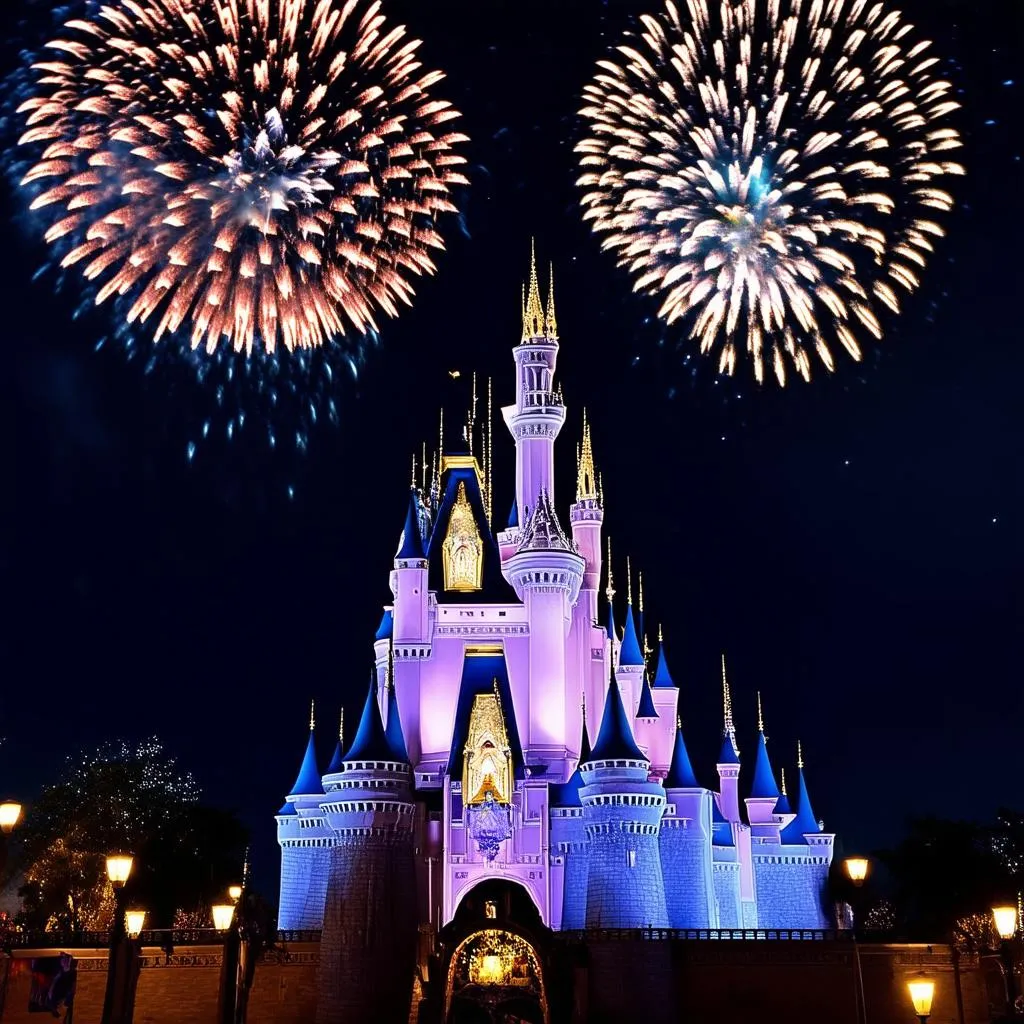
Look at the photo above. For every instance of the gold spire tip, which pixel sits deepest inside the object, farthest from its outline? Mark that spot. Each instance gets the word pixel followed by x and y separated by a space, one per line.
pixel 550 324
pixel 640 586
pixel 679 722
pixel 783 788
pixel 661 636
pixel 760 715
pixel 629 583
pixel 799 755
pixel 533 311
pixel 341 727
pixel 312 715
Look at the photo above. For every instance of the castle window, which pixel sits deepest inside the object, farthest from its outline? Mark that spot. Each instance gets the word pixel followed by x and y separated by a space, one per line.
pixel 631 858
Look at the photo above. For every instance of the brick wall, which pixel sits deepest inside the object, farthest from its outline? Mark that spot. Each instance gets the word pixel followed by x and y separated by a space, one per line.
pixel 182 990
pixel 303 887
pixel 790 893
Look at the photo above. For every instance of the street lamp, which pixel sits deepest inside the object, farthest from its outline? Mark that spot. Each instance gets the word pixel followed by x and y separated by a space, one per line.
pixel 1006 926
pixel 122 957
pixel 857 869
pixel 10 812
pixel 223 914
pixel 922 991
pixel 234 893
pixel 134 922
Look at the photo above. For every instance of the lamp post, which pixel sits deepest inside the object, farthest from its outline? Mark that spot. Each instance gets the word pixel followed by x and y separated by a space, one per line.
pixel 922 992
pixel 857 870
pixel 1006 926
pixel 10 814
pixel 225 923
pixel 122 957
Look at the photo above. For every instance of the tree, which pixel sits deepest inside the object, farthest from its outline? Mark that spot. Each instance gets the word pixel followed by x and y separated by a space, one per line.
pixel 131 798
pixel 941 873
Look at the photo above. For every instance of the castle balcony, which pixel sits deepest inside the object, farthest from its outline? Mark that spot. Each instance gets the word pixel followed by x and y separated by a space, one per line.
pixel 543 400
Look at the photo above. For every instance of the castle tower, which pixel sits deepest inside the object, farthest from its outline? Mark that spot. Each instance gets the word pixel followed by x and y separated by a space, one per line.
pixel 648 725
pixel 304 838
pixel 569 840
pixel 799 883
pixel 410 638
pixel 622 813
pixel 546 572
pixel 538 414
pixel 586 517
pixel 368 947
pixel 629 670
pixel 728 759
pixel 686 844
pixel 764 793
pixel 666 703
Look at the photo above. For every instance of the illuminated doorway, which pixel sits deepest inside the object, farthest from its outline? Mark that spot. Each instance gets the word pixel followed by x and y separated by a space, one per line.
pixel 495 977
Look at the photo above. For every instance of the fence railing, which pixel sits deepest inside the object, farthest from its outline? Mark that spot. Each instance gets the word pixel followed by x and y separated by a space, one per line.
pixel 707 934
pixel 161 937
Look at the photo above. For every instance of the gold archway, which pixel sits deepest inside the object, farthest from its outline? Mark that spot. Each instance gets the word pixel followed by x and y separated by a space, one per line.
pixel 492 967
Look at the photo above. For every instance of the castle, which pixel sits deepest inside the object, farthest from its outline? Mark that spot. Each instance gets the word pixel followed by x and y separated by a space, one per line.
pixel 516 730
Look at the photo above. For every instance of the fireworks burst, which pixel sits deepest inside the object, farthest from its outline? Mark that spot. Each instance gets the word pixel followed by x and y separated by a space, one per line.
pixel 769 169
pixel 255 172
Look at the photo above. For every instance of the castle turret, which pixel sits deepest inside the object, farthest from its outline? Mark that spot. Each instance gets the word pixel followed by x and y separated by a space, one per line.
pixel 368 948
pixel 728 759
pixel 304 838
pixel 792 879
pixel 546 572
pixel 622 812
pixel 410 639
pixel 764 793
pixel 538 414
pixel 586 517
pixel 629 670
pixel 569 840
pixel 665 694
pixel 686 844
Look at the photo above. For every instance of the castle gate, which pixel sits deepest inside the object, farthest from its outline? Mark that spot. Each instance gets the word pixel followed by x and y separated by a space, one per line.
pixel 495 973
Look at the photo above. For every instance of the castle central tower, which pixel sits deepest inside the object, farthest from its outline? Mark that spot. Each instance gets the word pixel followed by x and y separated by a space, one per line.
pixel 538 414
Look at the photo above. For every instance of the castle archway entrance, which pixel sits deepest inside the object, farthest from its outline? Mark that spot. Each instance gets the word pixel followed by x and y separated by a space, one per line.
pixel 496 972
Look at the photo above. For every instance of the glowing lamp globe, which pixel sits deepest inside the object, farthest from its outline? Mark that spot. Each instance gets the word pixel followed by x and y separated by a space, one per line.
pixel 491 971
pixel 134 922
pixel 1006 921
pixel 222 916
pixel 922 991
pixel 10 812
pixel 235 892
pixel 119 867
pixel 857 869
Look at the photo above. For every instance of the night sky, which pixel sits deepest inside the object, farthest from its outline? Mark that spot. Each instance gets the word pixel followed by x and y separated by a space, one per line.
pixel 854 545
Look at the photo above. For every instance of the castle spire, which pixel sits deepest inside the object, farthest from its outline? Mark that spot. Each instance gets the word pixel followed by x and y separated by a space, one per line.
pixel 307 783
pixel 533 311
pixel 609 591
pixel 805 822
pixel 629 583
pixel 312 714
pixel 729 727
pixel 550 325
pixel 337 762
pixel 586 479
pixel 760 714
pixel 763 786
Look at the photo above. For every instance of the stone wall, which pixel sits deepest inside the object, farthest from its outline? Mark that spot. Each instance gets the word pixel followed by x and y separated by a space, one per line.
pixel 303 886
pixel 685 867
pixel 604 980
pixel 180 990
pixel 790 892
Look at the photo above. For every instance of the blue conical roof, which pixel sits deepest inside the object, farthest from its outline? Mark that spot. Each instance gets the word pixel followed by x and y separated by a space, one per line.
pixel 412 540
pixel 393 733
pixel 782 805
pixel 661 674
pixel 513 515
pixel 568 794
pixel 615 738
pixel 386 628
pixel 371 742
pixel 288 809
pixel 613 633
pixel 337 759
pixel 721 830
pixel 680 773
pixel 804 822
pixel 728 754
pixel 308 781
pixel 764 784
pixel 646 708
pixel 630 653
